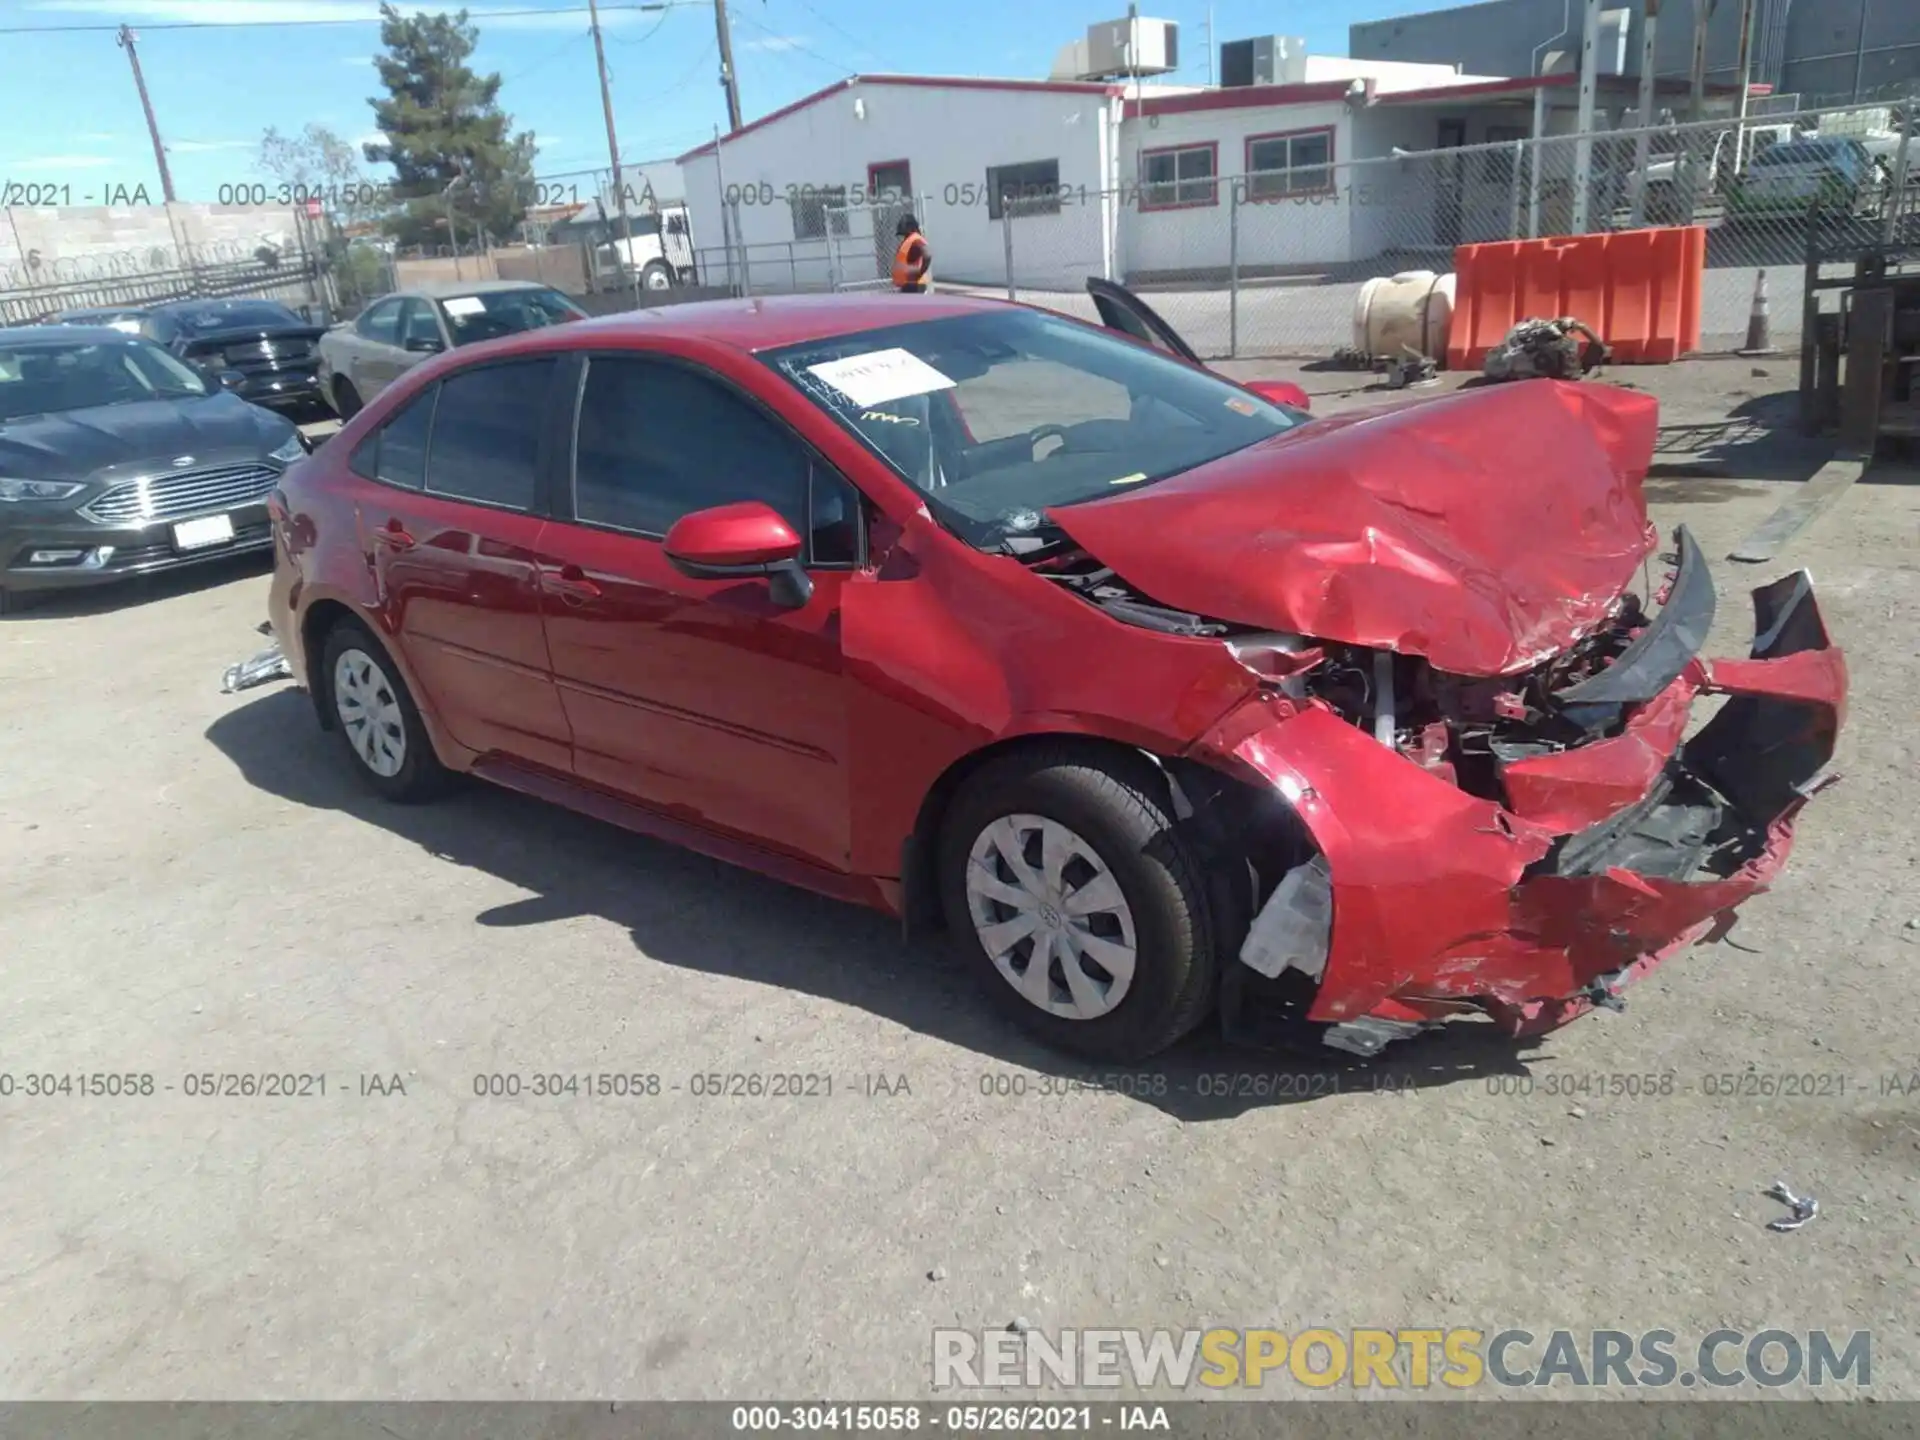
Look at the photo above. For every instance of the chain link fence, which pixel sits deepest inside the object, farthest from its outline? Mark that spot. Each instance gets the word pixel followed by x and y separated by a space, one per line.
pixel 838 245
pixel 1271 263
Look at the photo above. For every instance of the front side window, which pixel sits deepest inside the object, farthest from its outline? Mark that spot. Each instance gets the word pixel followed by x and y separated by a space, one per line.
pixel 657 441
pixel 1001 416
pixel 492 313
pixel 45 379
pixel 417 324
pixel 485 443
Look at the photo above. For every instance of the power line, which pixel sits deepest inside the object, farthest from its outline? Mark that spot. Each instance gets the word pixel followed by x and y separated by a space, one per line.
pixel 860 46
pixel 787 42
pixel 472 18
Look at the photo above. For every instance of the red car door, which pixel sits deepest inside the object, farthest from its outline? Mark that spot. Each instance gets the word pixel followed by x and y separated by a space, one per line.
pixel 454 554
pixel 706 699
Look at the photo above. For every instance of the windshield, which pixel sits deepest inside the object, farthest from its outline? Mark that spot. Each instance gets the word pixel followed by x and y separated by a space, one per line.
pixel 494 313
pixel 43 379
pixel 1803 152
pixel 240 315
pixel 1000 416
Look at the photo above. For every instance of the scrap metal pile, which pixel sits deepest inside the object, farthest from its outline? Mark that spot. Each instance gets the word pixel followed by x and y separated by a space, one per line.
pixel 1547 349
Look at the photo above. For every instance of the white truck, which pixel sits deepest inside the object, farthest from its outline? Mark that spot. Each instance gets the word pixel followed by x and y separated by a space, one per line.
pixel 660 251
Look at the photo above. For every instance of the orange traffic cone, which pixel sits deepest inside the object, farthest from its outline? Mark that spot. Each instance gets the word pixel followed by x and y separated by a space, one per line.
pixel 1759 325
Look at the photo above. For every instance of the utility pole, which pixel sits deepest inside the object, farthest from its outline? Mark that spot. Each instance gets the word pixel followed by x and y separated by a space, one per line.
pixel 1860 52
pixel 1702 13
pixel 1642 142
pixel 127 38
pixel 727 77
pixel 1746 79
pixel 613 149
pixel 1583 139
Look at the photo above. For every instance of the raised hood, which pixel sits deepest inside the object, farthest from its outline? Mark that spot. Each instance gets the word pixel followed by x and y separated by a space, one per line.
pixel 1486 530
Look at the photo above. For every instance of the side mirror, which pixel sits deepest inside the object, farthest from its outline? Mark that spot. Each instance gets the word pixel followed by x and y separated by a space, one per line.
pixel 744 540
pixel 424 345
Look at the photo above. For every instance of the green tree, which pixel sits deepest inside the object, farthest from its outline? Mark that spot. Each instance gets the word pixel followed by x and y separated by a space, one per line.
pixel 318 162
pixel 443 124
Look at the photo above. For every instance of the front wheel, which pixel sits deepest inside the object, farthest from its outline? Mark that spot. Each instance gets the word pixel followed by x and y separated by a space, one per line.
pixel 656 276
pixel 1081 908
pixel 377 718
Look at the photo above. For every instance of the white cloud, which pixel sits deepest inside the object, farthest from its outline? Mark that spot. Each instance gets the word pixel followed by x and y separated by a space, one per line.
pixel 775 42
pixel 64 162
pixel 196 147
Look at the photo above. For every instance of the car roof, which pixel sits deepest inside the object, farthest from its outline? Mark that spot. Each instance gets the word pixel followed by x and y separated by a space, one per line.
pixel 439 289
pixel 770 321
pixel 229 302
pixel 65 334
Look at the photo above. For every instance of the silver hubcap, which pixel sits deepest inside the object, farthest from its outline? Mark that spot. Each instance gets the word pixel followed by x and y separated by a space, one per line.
pixel 1051 917
pixel 656 281
pixel 369 712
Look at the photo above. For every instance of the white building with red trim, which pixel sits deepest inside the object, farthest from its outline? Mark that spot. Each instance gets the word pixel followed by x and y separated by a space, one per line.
pixel 1137 182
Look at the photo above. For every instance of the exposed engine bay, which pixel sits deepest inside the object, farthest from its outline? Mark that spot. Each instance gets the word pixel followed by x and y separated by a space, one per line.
pixel 1561 833
pixel 1461 728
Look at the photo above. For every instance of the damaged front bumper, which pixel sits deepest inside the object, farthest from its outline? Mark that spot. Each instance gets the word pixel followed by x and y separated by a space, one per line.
pixel 1608 858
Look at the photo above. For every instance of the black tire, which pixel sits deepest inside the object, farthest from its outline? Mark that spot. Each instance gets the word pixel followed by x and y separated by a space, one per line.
pixel 1117 809
pixel 345 399
pixel 656 275
pixel 420 775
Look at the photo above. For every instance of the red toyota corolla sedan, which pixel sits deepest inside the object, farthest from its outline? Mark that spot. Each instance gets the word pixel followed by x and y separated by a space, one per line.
pixel 1159 697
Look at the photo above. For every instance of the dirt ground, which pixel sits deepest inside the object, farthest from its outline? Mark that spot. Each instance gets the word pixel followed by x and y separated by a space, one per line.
pixel 197 886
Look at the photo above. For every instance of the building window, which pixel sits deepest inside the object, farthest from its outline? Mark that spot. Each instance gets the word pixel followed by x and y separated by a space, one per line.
pixel 816 208
pixel 1033 187
pixel 1297 163
pixel 1174 178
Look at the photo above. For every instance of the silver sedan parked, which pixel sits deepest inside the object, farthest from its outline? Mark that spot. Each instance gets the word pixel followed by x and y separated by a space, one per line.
pixel 360 358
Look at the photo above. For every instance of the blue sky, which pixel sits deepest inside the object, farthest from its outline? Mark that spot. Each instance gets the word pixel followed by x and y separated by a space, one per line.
pixel 73 115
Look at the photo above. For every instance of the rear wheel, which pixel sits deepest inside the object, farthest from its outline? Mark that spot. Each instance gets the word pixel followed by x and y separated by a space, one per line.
pixel 1083 912
pixel 376 717
pixel 345 399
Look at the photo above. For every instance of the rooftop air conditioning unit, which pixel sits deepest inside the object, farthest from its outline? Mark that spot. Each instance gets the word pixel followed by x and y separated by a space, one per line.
pixel 1139 46
pixel 1264 60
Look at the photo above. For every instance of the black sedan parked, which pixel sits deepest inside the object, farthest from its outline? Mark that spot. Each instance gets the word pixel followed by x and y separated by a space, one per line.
pixel 118 459
pixel 272 346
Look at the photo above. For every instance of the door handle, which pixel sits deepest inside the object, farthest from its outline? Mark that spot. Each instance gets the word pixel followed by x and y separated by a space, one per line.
pixel 394 536
pixel 571 584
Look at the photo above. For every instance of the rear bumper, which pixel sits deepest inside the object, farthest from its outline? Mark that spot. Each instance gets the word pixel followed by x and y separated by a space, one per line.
pixel 1613 857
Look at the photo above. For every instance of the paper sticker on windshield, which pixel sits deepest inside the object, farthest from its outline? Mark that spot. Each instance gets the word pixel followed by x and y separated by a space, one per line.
pixel 880 376
pixel 465 305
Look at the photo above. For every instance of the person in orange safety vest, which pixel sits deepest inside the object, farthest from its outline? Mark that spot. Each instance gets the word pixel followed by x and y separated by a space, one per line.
pixel 913 261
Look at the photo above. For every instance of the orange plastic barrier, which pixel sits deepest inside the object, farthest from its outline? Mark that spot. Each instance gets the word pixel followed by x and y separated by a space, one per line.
pixel 1638 289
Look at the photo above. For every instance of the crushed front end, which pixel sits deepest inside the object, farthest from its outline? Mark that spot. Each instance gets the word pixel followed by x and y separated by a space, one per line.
pixel 1522 847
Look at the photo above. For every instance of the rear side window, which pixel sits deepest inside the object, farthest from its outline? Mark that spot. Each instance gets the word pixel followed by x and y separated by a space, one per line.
pixel 396 453
pixel 486 434
pixel 381 323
